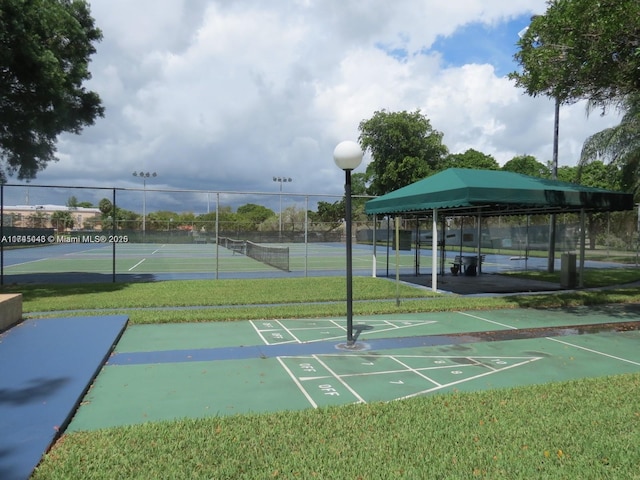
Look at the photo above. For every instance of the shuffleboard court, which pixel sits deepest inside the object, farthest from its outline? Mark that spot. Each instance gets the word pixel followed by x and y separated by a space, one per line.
pixel 163 372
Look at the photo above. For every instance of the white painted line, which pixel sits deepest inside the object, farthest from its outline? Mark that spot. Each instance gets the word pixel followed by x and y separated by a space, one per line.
pixel 335 322
pixel 409 369
pixel 296 339
pixel 25 263
pixel 468 379
pixel 264 340
pixel 399 327
pixel 136 265
pixel 556 340
pixel 297 382
pixel 593 351
pixel 482 364
pixel 337 377
pixel 487 320
pixel 306 379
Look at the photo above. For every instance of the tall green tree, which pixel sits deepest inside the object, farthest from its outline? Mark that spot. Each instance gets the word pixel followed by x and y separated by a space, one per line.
pixel 471 159
pixel 45 49
pixel 250 216
pixel 124 219
pixel 582 49
pixel 404 146
pixel 619 146
pixel 527 165
pixel 331 215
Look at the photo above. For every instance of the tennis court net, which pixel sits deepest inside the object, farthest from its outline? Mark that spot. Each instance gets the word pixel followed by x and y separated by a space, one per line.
pixel 277 257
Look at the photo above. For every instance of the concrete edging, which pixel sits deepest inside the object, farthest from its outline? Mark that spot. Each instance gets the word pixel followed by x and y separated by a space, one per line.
pixel 10 310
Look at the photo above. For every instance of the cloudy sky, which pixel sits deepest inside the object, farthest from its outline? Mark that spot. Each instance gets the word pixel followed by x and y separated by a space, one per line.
pixel 224 95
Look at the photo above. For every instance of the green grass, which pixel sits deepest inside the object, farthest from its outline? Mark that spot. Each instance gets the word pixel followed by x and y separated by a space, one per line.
pixel 228 300
pixel 587 429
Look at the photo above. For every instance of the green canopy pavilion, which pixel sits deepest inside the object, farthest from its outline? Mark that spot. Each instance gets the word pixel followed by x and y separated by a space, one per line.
pixel 486 193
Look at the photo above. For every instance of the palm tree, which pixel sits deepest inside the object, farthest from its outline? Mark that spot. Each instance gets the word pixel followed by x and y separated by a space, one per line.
pixel 619 145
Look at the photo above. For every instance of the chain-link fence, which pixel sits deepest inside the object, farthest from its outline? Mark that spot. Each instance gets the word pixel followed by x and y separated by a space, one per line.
pixel 80 234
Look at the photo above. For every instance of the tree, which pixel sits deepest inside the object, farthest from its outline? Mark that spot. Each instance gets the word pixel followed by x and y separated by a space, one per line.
pixel 250 216
pixel 330 214
pixel 105 206
pixel 527 165
pixel 125 219
pixel 61 220
pixel 45 49
pixel 161 220
pixel 582 49
pixel 568 174
pixel 405 149
pixel 619 145
pixel 471 159
pixel 205 222
pixel 37 220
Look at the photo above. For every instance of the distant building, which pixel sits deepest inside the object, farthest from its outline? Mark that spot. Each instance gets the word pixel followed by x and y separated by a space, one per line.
pixel 41 216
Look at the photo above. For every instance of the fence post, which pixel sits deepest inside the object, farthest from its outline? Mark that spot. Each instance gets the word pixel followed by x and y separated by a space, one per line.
pixel 113 243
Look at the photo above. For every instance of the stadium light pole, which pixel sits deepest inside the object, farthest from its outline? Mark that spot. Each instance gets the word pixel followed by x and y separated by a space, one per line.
pixel 348 155
pixel 144 176
pixel 281 180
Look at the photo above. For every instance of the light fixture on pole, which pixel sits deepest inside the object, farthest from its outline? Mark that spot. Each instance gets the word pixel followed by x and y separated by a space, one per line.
pixel 348 155
pixel 281 180
pixel 144 176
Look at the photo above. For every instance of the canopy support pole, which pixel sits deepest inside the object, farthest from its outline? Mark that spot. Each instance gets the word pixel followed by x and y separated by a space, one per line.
pixel 582 248
pixel 434 251
pixel 479 233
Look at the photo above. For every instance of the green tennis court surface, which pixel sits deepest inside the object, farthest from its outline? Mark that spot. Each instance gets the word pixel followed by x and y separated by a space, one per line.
pixel 150 259
pixel 163 372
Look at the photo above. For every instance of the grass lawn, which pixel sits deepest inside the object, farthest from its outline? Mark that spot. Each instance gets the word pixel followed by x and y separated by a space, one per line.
pixel 587 429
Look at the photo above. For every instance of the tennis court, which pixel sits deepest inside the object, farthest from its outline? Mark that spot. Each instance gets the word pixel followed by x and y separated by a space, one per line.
pixel 174 260
pixel 89 262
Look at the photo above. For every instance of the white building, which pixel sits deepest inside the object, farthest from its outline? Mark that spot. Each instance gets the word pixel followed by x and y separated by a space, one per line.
pixel 42 216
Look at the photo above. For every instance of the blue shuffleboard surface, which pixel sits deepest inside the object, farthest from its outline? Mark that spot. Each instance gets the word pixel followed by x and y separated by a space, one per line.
pixel 46 366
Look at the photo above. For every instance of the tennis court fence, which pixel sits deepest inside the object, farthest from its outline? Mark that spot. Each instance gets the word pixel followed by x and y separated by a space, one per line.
pixel 49 233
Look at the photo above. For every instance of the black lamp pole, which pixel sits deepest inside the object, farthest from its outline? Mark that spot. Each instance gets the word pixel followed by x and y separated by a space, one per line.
pixel 347 203
pixel 348 156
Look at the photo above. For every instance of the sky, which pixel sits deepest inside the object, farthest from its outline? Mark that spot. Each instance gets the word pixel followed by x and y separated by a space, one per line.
pixel 224 95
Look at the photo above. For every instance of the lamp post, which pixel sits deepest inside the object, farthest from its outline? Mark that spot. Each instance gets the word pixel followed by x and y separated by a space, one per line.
pixel 281 180
pixel 348 155
pixel 144 176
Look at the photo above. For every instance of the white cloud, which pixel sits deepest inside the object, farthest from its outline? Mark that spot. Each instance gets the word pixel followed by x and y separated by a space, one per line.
pixel 225 95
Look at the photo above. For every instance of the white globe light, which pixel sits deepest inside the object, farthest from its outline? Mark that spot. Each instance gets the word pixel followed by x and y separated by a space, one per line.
pixel 347 155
